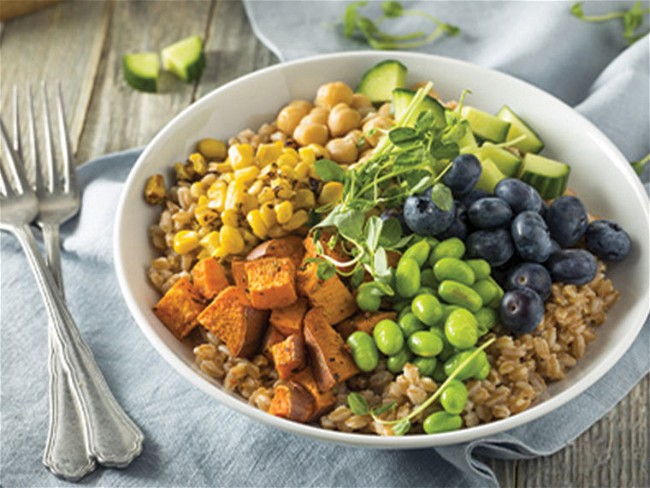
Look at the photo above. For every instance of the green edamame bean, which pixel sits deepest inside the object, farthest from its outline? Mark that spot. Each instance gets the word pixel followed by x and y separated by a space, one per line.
pixel 486 289
pixel 472 368
pixel 419 252
pixel 486 318
pixel 424 343
pixel 427 309
pixel 461 329
pixel 364 350
pixel 426 365
pixel 427 278
pixel 439 331
pixel 425 290
pixel 367 301
pixel 396 362
pixel 454 397
pixel 388 337
pixel 458 294
pixel 407 278
pixel 453 269
pixel 410 324
pixel 497 300
pixel 433 242
pixel 447 351
pixel 442 421
pixel 439 373
pixel 449 248
pixel 484 372
pixel 402 307
pixel 481 268
pixel 447 309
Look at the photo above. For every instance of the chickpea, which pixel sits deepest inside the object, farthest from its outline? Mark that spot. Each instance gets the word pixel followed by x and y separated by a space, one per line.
pixel 289 118
pixel 379 124
pixel 318 115
pixel 309 133
pixel 333 93
pixel 307 106
pixel 365 156
pixel 385 110
pixel 343 119
pixel 359 101
pixel 356 136
pixel 342 150
pixel 432 93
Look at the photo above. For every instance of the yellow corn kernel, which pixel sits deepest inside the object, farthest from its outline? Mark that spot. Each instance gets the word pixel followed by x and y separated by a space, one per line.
pixel 307 154
pixel 287 160
pixel 249 238
pixel 234 195
pixel 183 172
pixel 312 172
pixel 205 215
pixel 154 190
pixel 211 242
pixel 230 217
pixel 217 188
pixel 203 201
pixel 231 240
pixel 283 212
pixel 185 241
pixel 298 219
pixel 267 212
pixel 196 189
pixel 268 153
pixel 247 174
pixel 249 203
pixel 304 199
pixel 213 149
pixel 320 151
pixel 256 188
pixel 241 155
pixel 266 195
pixel 199 164
pixel 269 170
pixel 302 171
pixel 224 167
pixel 203 253
pixel 287 171
pixel 277 231
pixel 290 151
pixel 331 193
pixel 220 252
pixel 257 224
pixel 282 188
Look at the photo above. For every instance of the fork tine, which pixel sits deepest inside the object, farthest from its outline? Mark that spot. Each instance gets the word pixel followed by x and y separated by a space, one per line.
pixel 69 182
pixel 17 144
pixel 49 149
pixel 36 159
pixel 14 162
pixel 5 187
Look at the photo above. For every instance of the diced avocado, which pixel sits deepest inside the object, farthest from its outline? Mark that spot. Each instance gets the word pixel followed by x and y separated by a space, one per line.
pixel 490 176
pixel 402 98
pixel 141 71
pixel 486 126
pixel 532 143
pixel 468 142
pixel 379 81
pixel 185 58
pixel 547 176
pixel 507 162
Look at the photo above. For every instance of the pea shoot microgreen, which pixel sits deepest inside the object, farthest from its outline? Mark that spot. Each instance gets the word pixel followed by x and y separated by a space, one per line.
pixel 354 22
pixel 631 19
pixel 640 165
pixel 359 405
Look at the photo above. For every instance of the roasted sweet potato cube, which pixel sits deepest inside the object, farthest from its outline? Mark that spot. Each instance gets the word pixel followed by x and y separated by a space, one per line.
pixel 331 295
pixel 179 308
pixel 293 402
pixel 238 270
pixel 282 247
pixel 271 282
pixel 209 277
pixel 335 253
pixel 289 356
pixel 323 402
pixel 365 322
pixel 330 359
pixel 271 338
pixel 232 319
pixel 288 320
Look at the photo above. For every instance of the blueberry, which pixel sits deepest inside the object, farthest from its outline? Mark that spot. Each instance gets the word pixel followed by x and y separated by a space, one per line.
pixel 555 247
pixel 530 275
pixel 495 246
pixel 572 266
pixel 567 220
pixel 488 213
pixel 521 311
pixel 531 236
pixel 472 196
pixel 458 227
pixel 608 240
pixel 424 217
pixel 519 195
pixel 397 214
pixel 544 210
pixel 464 173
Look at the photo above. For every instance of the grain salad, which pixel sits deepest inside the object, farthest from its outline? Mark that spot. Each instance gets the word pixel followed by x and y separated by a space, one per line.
pixel 381 261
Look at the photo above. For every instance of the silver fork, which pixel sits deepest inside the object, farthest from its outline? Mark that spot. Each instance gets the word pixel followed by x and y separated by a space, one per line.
pixel 97 427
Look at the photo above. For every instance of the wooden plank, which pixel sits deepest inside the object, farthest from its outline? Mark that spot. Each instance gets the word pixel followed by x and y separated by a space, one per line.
pixel 119 116
pixel 28 55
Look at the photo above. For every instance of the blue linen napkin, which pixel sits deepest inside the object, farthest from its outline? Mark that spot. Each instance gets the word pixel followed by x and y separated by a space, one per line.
pixel 193 441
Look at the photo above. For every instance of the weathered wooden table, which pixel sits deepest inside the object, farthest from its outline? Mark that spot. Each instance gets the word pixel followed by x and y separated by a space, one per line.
pixel 81 43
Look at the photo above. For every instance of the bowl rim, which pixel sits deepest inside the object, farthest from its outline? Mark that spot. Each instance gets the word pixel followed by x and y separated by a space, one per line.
pixel 482 431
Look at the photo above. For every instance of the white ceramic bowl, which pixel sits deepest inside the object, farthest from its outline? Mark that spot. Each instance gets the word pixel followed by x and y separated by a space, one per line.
pixel 600 174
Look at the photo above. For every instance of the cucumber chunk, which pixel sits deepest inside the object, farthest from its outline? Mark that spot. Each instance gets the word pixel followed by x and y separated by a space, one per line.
pixel 508 163
pixel 379 81
pixel 547 176
pixel 185 58
pixel 518 127
pixel 468 142
pixel 490 176
pixel 402 98
pixel 141 71
pixel 486 126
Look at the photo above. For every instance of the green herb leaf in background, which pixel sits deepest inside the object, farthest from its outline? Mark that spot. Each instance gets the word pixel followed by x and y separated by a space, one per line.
pixel 632 19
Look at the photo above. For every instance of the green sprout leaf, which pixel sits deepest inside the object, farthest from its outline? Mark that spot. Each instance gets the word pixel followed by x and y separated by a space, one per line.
pixel 358 404
pixel 403 136
pixel 350 18
pixel 402 427
pixel 391 232
pixel 392 9
pixel 632 19
pixel 329 170
pixel 383 409
pixel 373 231
pixel 442 197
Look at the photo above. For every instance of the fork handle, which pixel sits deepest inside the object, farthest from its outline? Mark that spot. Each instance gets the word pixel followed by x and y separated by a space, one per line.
pixel 113 437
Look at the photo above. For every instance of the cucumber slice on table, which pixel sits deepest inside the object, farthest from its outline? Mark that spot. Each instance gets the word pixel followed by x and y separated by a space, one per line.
pixel 402 98
pixel 486 126
pixel 379 81
pixel 141 71
pixel 519 128
pixel 547 176
pixel 508 163
pixel 490 176
pixel 185 58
